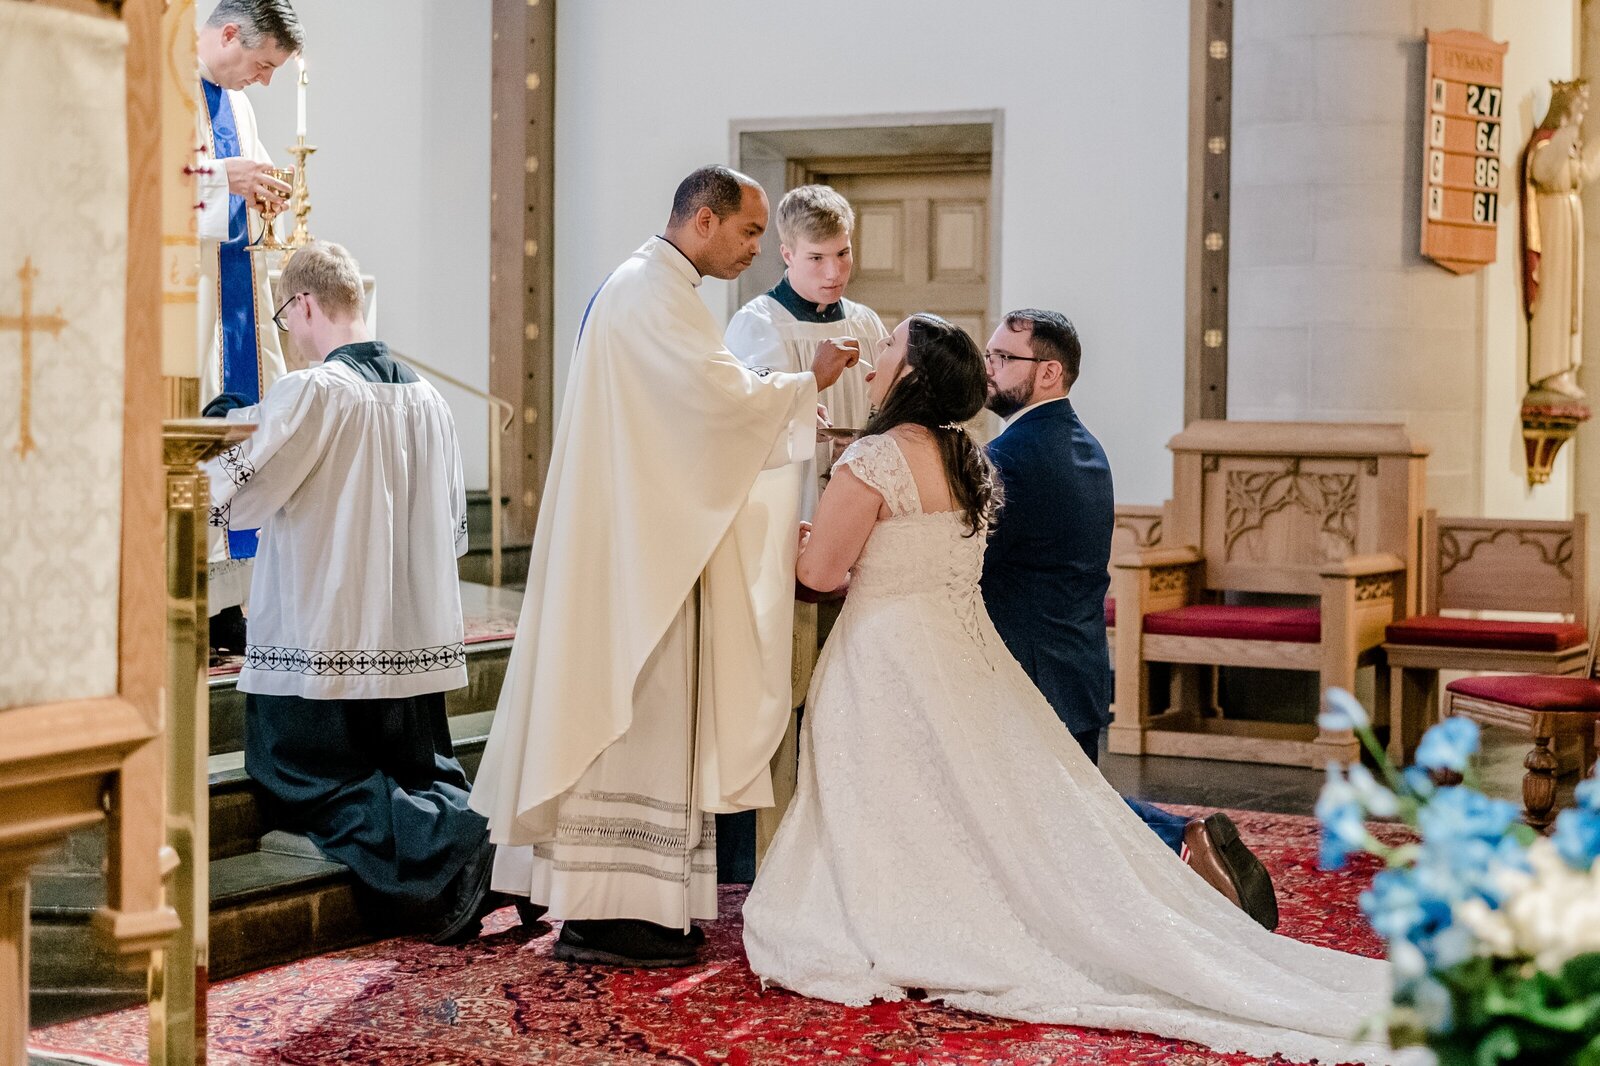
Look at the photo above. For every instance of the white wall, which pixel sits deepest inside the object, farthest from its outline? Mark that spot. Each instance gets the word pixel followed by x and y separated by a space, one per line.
pixel 1093 183
pixel 398 106
pixel 1334 312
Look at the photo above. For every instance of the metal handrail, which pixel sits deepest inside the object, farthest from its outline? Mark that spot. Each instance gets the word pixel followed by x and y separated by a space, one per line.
pixel 496 532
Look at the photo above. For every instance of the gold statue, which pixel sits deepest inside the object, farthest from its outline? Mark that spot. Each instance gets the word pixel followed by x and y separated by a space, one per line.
pixel 1555 167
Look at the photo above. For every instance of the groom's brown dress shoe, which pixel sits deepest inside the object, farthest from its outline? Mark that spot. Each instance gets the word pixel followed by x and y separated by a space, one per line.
pixel 1216 853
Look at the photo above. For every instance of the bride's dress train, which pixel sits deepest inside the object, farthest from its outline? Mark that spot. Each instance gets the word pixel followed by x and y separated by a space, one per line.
pixel 949 835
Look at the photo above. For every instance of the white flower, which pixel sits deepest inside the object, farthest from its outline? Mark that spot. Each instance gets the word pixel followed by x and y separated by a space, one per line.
pixel 1550 915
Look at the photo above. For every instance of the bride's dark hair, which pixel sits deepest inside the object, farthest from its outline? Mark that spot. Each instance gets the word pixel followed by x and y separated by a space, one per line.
pixel 942 384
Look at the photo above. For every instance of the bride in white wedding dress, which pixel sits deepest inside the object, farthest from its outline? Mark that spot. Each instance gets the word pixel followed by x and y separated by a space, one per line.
pixel 948 833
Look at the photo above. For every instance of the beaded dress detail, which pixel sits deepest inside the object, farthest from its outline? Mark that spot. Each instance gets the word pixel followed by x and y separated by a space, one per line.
pixel 948 834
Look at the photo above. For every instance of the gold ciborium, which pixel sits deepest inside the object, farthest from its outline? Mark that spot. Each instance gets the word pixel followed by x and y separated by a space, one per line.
pixel 270 210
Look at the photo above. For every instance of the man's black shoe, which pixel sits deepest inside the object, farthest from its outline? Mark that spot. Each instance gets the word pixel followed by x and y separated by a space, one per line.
pixel 530 912
pixel 472 899
pixel 624 942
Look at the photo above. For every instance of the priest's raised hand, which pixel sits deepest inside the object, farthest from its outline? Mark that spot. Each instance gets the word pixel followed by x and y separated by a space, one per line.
pixel 834 356
pixel 255 182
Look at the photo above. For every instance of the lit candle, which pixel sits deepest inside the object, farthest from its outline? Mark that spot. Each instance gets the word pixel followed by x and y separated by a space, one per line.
pixel 300 100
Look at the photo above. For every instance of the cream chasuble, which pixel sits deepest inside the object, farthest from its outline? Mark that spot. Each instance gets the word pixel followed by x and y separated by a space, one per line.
pixel 649 683
pixel 766 334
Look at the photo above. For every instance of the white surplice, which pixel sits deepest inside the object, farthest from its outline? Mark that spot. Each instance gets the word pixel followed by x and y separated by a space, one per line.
pixel 228 580
pixel 357 488
pixel 649 683
pixel 764 333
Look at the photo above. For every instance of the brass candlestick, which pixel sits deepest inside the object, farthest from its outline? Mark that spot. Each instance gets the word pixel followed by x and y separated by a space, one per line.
pixel 300 198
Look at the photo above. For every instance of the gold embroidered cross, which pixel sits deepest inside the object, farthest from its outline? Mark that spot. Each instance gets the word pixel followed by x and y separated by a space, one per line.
pixel 26 323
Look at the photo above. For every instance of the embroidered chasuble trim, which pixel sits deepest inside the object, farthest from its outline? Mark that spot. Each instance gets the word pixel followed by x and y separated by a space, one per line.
pixel 337 663
pixel 568 866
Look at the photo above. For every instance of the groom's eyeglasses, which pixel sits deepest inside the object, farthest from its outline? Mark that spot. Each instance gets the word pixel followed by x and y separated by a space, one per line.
pixel 1002 358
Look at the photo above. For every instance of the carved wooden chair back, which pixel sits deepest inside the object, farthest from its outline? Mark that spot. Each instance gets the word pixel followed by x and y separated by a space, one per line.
pixel 1137 527
pixel 1271 505
pixel 1499 564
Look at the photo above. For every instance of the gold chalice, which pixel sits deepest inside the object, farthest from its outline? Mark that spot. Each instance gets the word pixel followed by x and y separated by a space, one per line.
pixel 270 210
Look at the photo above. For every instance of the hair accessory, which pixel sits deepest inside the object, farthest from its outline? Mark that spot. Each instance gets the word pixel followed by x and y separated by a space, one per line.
pixel 957 426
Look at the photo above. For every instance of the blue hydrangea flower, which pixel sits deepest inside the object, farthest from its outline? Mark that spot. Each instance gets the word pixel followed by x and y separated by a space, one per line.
pixel 1448 745
pixel 1343 829
pixel 1418 782
pixel 1342 711
pixel 1577 836
pixel 1456 814
pixel 1431 1001
pixel 1587 794
pixel 1377 799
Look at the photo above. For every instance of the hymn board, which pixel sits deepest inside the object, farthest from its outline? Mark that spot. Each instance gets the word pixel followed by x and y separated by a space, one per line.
pixel 1461 161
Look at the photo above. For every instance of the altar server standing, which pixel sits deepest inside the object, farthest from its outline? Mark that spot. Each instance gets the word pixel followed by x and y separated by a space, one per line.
pixel 780 328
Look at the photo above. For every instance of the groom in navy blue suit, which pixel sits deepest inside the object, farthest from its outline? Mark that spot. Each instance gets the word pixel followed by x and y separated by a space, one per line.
pixel 1045 579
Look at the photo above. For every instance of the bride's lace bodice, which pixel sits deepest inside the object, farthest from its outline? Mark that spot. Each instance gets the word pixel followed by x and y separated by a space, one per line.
pixel 913 552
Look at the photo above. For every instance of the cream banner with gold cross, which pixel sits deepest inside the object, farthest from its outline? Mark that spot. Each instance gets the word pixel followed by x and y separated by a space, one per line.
pixel 63 269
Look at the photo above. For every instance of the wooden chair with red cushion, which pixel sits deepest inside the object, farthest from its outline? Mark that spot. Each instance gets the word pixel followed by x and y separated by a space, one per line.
pixel 1550 709
pixel 1319 518
pixel 1137 527
pixel 1494 565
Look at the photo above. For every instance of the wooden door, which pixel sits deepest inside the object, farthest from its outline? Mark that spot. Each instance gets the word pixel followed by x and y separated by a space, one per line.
pixel 921 241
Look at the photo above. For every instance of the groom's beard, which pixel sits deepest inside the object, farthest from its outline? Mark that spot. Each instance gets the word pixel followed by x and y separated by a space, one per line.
pixel 1007 402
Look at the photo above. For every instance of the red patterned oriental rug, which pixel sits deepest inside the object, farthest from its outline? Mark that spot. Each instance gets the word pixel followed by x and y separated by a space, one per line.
pixel 503 1001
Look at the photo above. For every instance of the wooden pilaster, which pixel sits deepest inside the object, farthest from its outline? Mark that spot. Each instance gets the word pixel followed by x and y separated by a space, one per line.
pixel 521 279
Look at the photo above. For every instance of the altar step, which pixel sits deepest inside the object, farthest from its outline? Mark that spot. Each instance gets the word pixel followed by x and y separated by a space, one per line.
pixel 273 898
pixel 475 564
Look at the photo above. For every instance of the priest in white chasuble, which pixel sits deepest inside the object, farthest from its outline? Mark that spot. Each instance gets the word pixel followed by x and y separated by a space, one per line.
pixel 354 479
pixel 649 683
pixel 242 43
pixel 780 329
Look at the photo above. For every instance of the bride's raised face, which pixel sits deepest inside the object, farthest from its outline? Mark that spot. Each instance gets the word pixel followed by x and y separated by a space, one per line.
pixel 889 365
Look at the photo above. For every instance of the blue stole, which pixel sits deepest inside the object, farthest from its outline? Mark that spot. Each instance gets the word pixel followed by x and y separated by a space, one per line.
pixel 236 302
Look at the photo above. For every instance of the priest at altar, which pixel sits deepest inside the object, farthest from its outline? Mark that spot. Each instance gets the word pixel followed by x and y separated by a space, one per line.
pixel 649 683
pixel 242 43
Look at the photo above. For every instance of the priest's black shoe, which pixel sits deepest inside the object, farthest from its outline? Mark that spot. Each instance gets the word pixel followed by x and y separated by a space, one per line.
pixel 1218 855
pixel 624 942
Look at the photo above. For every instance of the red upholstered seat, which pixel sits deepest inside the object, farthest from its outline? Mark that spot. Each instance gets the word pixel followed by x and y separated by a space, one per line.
pixel 1299 625
pixel 1535 692
pixel 1111 612
pixel 1438 631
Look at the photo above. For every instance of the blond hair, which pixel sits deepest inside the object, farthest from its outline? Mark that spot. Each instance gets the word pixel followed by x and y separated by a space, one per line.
pixel 816 212
pixel 328 272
